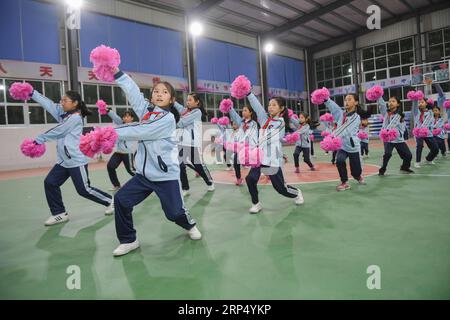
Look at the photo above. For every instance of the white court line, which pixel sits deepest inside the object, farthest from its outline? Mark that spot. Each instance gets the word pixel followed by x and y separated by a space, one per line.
pixel 418 174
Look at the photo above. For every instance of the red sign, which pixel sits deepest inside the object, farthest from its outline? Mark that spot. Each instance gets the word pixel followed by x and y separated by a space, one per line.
pixel 91 75
pixel 46 71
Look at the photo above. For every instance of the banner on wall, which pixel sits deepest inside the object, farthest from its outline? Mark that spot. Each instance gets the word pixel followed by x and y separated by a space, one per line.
pixel 32 70
pixel 210 86
pixel 387 83
pixel 142 79
pixel 276 92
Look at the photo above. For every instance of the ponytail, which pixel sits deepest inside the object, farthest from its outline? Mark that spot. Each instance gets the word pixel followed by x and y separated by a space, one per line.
pixel 75 96
pixel 200 104
pixel 175 113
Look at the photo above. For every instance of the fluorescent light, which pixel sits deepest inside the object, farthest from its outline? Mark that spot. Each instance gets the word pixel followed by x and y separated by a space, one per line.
pixel 196 28
pixel 268 47
pixel 2 87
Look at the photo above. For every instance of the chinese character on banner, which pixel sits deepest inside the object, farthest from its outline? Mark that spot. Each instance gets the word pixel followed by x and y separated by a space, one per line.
pixel 225 87
pixel 155 80
pixel 3 69
pixel 91 75
pixel 46 71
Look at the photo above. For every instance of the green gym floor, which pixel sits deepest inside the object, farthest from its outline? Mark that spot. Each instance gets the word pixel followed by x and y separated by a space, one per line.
pixel 320 250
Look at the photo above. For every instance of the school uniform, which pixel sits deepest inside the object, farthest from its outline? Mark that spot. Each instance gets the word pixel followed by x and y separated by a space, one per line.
pixel 392 121
pixel 440 138
pixel 347 128
pixel 247 133
pixel 364 142
pixel 124 153
pixel 157 167
pixel 424 119
pixel 271 133
pixel 71 162
pixel 303 143
pixel 190 143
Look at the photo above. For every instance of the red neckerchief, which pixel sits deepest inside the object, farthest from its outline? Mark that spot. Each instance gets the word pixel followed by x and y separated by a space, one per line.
pixel 245 126
pixel 185 112
pixel 148 114
pixel 389 115
pixel 267 122
pixel 422 112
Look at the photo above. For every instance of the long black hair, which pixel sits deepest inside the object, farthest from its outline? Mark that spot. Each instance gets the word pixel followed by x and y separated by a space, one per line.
pixel 196 98
pixel 172 93
pixel 76 97
pixel 285 113
pixel 307 118
pixel 358 107
pixel 253 116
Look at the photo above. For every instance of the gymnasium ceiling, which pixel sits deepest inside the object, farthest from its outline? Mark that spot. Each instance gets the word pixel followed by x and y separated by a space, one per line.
pixel 313 24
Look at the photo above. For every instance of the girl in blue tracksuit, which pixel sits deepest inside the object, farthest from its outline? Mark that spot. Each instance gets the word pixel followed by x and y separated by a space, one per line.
pixel 364 127
pixel 348 122
pixel 439 121
pixel 190 141
pixel 225 134
pixel 423 118
pixel 271 132
pixel 71 161
pixel 157 167
pixel 394 120
pixel 247 133
pixel 124 150
pixel 303 143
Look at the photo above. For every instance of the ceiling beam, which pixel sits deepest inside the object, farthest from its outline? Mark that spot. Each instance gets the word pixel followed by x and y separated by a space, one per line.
pixel 308 17
pixel 407 4
pixel 203 7
pixel 384 23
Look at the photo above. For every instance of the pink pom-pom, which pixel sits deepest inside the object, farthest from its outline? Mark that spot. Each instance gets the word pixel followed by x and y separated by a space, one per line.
pixel 109 138
pixel 420 132
pixel 233 146
pixel 430 101
pixel 225 105
pixel 327 117
pixel 362 135
pixel 388 135
pixel 447 126
pixel 311 137
pixel 324 133
pixel 241 87
pixel 319 96
pixel 224 121
pixel 437 131
pixel 85 145
pixel 415 95
pixel 21 91
pixel 294 117
pixel 250 157
pixel 30 149
pixel 374 93
pixel 104 59
pixel 218 140
pixel 102 107
pixel 214 120
pixel 291 137
pixel 447 104
pixel 331 143
pixel 290 113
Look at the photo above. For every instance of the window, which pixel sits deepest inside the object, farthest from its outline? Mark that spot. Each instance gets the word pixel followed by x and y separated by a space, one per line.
pixel 2 115
pixel 388 60
pixel 15 115
pixel 439 41
pixel 335 71
pixel 36 115
pixel 94 116
pixel 90 94
pixel 105 94
pixel 119 97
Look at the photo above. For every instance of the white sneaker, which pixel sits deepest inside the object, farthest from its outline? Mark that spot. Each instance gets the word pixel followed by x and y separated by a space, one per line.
pixel 110 209
pixel 59 218
pixel 256 208
pixel 430 162
pixel 211 188
pixel 114 188
pixel 219 162
pixel 124 248
pixel 186 193
pixel 194 233
pixel 417 165
pixel 229 168
pixel 299 200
